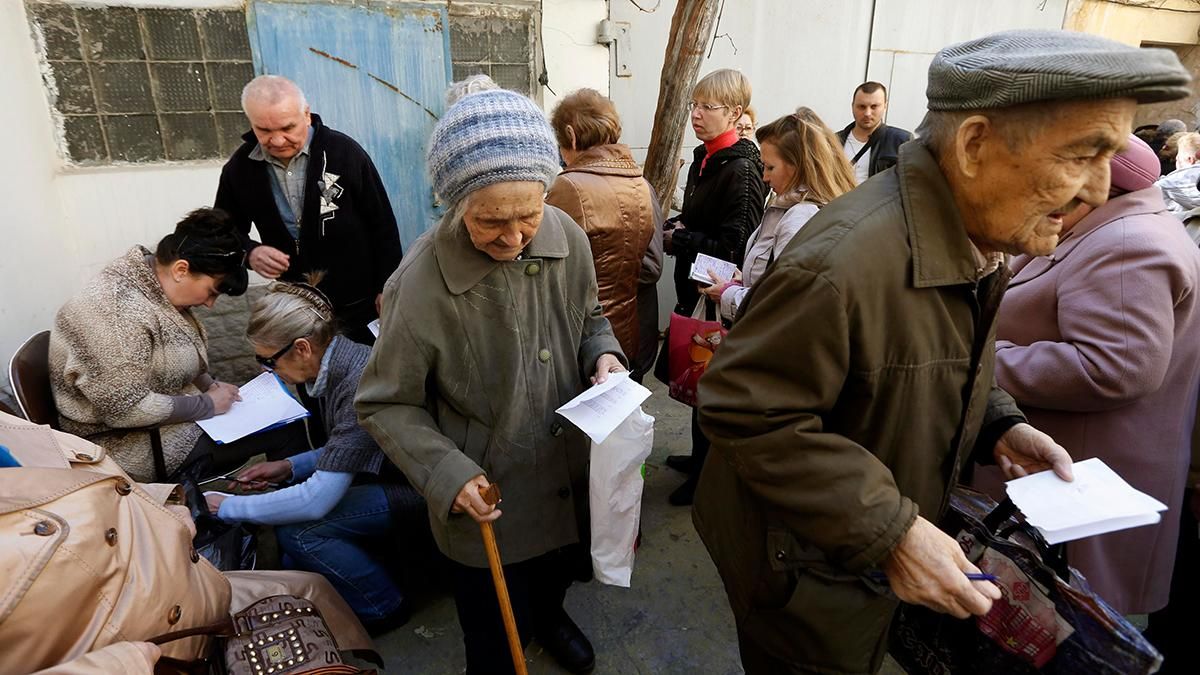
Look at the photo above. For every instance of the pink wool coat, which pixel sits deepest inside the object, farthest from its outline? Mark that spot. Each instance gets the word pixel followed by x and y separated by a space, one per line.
pixel 1099 343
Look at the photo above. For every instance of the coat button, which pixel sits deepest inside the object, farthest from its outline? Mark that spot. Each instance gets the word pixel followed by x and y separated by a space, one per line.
pixel 44 528
pixel 110 536
pixel 780 555
pixel 544 355
pixel 124 487
pixel 195 556
pixel 174 615
pixel 84 457
pixel 532 269
pixel 556 430
pixel 564 492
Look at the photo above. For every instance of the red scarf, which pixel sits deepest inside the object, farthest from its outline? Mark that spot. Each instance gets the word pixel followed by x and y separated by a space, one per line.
pixel 717 144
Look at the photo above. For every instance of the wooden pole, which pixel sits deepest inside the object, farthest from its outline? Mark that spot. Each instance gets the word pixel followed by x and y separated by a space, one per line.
pixel 691 30
pixel 491 495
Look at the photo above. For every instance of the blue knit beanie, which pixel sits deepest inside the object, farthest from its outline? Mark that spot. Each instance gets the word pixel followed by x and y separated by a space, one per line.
pixel 490 137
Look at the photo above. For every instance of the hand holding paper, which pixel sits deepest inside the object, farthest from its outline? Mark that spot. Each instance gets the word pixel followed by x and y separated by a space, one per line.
pixel 1096 502
pixel 600 409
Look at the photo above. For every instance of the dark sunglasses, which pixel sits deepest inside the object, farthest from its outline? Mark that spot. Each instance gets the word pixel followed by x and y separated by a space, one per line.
pixel 269 362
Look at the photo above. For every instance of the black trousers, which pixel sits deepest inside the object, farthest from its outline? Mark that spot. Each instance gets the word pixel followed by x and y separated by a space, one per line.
pixel 209 457
pixel 700 446
pixel 1171 629
pixel 536 588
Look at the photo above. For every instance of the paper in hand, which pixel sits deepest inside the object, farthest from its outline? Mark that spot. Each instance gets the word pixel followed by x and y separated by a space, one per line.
pixel 265 404
pixel 374 327
pixel 599 410
pixel 1096 502
pixel 699 272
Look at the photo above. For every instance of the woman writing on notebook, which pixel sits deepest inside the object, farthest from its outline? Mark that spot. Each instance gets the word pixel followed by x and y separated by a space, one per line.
pixel 127 353
pixel 342 494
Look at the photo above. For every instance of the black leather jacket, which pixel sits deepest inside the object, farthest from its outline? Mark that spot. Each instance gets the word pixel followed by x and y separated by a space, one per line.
pixel 886 148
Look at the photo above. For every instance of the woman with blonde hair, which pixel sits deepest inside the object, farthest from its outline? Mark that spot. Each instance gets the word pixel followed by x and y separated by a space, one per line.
pixel 722 203
pixel 747 123
pixel 603 190
pixel 338 496
pixel 805 166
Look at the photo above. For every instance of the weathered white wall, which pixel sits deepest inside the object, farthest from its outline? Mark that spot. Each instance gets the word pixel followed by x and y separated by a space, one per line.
pixel 61 224
pixel 573 59
pixel 908 33
pixel 795 52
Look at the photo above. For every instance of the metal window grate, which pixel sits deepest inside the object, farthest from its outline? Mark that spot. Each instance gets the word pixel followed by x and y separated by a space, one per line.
pixel 497 42
pixel 144 85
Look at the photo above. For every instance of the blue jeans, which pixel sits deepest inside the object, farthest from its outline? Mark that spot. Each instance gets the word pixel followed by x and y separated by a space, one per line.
pixel 333 547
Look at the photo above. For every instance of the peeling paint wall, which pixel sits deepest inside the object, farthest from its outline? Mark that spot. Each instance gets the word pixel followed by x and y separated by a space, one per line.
pixel 1174 24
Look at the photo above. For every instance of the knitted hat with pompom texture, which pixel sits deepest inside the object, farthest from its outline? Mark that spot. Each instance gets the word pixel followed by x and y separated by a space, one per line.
pixel 491 137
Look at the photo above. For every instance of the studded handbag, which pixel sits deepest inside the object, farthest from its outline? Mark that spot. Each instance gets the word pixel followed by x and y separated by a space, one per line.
pixel 278 635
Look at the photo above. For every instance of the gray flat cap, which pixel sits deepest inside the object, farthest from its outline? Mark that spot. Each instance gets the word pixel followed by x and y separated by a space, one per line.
pixel 1023 66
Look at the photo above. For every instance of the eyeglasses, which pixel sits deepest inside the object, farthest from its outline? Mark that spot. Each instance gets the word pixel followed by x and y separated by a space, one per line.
pixel 744 127
pixel 269 362
pixel 707 107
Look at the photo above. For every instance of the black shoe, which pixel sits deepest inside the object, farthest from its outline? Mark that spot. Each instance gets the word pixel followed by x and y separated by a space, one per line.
pixel 391 622
pixel 681 463
pixel 568 645
pixel 684 494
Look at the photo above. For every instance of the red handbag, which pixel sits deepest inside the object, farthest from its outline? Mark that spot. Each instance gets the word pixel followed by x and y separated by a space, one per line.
pixel 692 340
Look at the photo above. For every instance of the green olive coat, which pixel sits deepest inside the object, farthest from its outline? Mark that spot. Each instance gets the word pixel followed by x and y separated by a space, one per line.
pixel 843 404
pixel 472 360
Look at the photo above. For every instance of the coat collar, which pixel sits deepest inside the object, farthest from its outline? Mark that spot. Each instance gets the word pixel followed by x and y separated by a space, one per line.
pixel 463 266
pixel 1138 203
pixel 942 254
pixel 133 268
pixel 606 160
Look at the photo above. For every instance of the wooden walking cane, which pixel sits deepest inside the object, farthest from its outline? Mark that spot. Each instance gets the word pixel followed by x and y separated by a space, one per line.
pixel 491 495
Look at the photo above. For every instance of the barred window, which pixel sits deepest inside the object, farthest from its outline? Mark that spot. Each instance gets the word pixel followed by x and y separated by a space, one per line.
pixel 143 85
pixel 496 41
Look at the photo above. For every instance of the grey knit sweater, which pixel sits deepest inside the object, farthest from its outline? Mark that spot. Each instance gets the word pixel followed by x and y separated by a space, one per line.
pixel 350 449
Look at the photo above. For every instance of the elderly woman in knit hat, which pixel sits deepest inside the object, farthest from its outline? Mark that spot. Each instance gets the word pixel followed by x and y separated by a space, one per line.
pixel 490 324
pixel 1099 343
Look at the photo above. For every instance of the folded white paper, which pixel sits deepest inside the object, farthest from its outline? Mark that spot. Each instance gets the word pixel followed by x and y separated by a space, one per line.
pixel 699 271
pixel 265 404
pixel 600 409
pixel 374 327
pixel 1096 502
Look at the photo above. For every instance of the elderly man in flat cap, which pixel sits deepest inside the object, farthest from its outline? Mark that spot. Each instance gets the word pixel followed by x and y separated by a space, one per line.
pixel 490 324
pixel 858 381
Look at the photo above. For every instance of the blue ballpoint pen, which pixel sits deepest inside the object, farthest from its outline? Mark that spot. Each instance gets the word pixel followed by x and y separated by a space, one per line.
pixel 971 576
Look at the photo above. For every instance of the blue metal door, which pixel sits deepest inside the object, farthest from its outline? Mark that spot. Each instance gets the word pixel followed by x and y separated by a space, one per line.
pixel 374 70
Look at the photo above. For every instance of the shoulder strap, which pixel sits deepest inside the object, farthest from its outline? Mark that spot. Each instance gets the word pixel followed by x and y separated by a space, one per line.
pixel 866 147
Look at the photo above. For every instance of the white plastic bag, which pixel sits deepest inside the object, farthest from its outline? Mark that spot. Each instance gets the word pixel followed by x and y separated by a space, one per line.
pixel 615 484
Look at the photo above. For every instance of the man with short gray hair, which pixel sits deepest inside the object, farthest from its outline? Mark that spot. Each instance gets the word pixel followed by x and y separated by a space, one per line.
pixel 859 380
pixel 317 200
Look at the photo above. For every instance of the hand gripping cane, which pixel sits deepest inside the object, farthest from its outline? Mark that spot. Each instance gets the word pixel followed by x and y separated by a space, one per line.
pixel 491 495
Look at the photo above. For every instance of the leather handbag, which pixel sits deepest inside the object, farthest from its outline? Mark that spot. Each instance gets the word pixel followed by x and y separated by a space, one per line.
pixel 278 635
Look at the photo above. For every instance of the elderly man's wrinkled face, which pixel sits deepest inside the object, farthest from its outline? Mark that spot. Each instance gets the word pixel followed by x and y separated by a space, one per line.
pixel 1021 191
pixel 281 127
pixel 503 218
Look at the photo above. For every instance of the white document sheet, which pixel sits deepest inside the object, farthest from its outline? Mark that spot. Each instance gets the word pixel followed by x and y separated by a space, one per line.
pixel 265 404
pixel 704 263
pixel 1096 502
pixel 374 327
pixel 602 408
